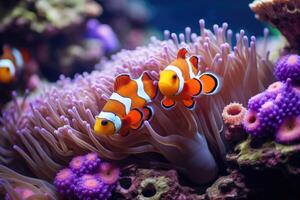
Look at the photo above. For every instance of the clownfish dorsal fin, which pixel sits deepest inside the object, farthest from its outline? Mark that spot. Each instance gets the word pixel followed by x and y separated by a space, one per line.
pixel 146 77
pixel 182 53
pixel 194 60
pixel 121 80
pixel 150 87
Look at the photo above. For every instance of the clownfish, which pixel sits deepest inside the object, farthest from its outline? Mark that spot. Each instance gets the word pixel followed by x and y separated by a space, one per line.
pixel 182 81
pixel 11 61
pixel 127 108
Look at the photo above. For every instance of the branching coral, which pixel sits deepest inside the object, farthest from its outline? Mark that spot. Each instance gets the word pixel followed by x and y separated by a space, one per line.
pixel 59 122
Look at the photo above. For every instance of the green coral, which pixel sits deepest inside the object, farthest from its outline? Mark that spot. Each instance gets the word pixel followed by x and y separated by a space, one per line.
pixel 40 14
pixel 270 150
pixel 159 184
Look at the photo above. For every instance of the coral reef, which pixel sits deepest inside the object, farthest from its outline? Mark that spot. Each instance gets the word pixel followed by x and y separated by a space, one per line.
pixel 150 184
pixel 288 67
pixel 58 124
pixel 283 14
pixel 232 186
pixel 268 110
pixel 45 16
pixel 87 178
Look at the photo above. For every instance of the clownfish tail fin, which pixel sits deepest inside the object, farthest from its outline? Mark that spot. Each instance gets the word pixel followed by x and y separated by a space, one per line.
pixel 167 103
pixel 211 83
pixel 148 113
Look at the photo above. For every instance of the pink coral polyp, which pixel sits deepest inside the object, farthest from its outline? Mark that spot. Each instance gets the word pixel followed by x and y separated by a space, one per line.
pixel 289 131
pixel 109 174
pixel 251 122
pixel 233 114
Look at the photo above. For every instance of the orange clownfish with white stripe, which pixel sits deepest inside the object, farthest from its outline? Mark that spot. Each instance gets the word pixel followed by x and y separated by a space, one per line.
pixel 11 61
pixel 127 108
pixel 182 81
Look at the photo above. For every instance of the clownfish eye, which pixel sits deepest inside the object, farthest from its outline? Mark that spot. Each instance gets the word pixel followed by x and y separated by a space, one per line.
pixel 174 77
pixel 104 122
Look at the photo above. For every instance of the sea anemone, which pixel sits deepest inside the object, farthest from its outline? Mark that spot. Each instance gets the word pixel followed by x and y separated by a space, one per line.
pixel 91 187
pixel 288 67
pixel 20 187
pixel 289 131
pixel 60 120
pixel 64 181
pixel 283 14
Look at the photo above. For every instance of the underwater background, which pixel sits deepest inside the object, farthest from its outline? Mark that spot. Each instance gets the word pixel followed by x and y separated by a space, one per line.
pixel 149 99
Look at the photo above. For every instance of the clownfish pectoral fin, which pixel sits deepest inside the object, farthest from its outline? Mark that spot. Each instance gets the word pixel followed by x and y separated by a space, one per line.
pixel 189 103
pixel 182 53
pixel 193 87
pixel 167 103
pixel 148 113
pixel 150 87
pixel 210 83
pixel 124 131
pixel 121 80
pixel 135 117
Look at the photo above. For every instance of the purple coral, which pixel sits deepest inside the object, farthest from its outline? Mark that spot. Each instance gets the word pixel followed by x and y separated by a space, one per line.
pixel 269 109
pixel 64 181
pixel 252 123
pixel 288 67
pixel 289 131
pixel 77 165
pixel 91 163
pixel 87 178
pixel 91 187
pixel 109 173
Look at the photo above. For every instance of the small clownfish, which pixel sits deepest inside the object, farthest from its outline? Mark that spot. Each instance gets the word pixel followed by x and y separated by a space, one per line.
pixel 11 61
pixel 182 81
pixel 127 107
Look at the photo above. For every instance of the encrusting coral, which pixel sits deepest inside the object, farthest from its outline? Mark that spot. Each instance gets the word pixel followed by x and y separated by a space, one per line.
pixel 149 184
pixel 283 14
pixel 59 123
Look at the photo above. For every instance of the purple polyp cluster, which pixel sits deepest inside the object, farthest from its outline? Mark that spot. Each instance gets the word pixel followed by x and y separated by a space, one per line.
pixel 91 187
pixel 268 110
pixel 87 178
pixel 288 67
pixel 64 181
